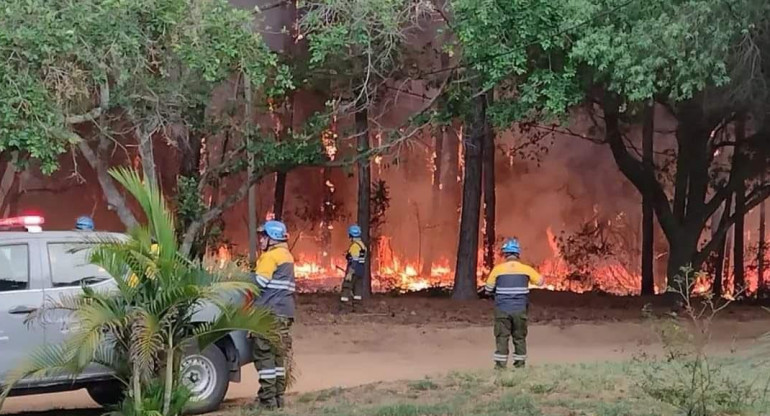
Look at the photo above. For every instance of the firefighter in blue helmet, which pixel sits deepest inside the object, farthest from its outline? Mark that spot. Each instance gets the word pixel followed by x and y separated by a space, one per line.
pixel 509 283
pixel 84 223
pixel 274 274
pixel 353 285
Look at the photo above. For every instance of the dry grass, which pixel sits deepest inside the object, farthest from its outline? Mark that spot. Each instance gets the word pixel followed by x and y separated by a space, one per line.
pixel 558 390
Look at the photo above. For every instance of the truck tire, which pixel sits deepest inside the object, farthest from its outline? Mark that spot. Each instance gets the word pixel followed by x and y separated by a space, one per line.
pixel 207 375
pixel 106 394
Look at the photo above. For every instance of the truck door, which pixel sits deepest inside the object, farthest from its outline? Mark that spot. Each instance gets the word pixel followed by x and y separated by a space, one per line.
pixel 68 270
pixel 21 293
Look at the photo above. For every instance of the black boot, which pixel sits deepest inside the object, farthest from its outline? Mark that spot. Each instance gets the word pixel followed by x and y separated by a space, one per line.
pixel 265 405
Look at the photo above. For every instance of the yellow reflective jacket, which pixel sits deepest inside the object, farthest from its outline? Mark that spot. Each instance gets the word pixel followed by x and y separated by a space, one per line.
pixel 133 281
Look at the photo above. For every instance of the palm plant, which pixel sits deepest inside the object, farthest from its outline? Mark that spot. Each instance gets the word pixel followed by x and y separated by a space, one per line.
pixel 143 327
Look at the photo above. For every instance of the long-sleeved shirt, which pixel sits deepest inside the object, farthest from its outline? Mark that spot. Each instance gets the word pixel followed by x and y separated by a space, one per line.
pixel 509 281
pixel 274 275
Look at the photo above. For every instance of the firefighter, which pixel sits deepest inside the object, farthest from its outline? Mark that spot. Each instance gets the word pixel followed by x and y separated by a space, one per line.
pixel 352 286
pixel 84 223
pixel 509 284
pixel 274 274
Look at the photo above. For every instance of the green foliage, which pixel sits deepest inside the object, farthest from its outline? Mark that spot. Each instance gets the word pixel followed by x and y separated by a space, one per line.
pixel 520 49
pixel 286 154
pixel 358 35
pixel 668 49
pixel 152 401
pixel 188 202
pixel 157 57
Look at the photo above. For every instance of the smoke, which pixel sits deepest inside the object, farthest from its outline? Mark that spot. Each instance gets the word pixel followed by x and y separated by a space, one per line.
pixel 563 188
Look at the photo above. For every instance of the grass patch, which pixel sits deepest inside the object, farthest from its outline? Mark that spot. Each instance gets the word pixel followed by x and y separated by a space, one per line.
pixel 609 389
pixel 321 395
pixel 410 409
pixel 423 385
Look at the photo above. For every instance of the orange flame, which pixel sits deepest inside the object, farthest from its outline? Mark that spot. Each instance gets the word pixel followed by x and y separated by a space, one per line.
pixel 392 271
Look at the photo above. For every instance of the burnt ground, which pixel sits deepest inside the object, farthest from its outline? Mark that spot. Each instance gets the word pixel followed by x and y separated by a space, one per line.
pixel 547 307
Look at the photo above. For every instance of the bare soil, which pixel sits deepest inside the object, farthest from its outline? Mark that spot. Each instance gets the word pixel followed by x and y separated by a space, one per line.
pixel 410 337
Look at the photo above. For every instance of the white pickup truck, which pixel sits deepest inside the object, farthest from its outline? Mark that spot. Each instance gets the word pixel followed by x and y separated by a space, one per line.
pixel 37 265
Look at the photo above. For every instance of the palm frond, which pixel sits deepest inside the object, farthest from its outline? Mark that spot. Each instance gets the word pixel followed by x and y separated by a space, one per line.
pixel 150 198
pixel 165 300
pixel 95 320
pixel 257 321
pixel 147 341
pixel 47 361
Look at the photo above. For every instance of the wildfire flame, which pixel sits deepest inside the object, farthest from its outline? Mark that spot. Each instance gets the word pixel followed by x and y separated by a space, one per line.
pixel 329 142
pixel 392 272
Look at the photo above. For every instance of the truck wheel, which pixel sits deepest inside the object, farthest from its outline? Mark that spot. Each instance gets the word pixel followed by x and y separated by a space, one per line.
pixel 206 374
pixel 107 394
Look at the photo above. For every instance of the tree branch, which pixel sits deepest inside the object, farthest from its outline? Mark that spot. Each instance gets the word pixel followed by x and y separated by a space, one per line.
pixel 754 198
pixel 114 198
pixel 634 169
pixel 104 103
pixel 194 228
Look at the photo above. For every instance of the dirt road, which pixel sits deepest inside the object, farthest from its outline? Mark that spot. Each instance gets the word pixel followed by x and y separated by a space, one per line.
pixel 348 355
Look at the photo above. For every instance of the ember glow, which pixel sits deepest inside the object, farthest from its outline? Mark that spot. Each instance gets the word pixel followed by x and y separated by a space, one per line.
pixel 319 275
pixel 391 272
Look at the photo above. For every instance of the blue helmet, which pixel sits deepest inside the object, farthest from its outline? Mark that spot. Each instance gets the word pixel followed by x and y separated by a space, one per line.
pixel 84 223
pixel 276 230
pixel 511 246
pixel 354 231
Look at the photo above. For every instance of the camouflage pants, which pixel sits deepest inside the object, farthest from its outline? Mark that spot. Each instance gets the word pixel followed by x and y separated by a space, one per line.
pixel 272 361
pixel 352 286
pixel 507 326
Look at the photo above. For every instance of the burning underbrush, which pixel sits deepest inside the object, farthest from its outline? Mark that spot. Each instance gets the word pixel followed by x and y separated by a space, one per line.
pixel 391 272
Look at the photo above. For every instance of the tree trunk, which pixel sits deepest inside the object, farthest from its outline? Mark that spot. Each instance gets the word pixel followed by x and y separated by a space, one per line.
pixel 728 251
pixel 489 194
pixel 468 244
pixel 7 182
pixel 168 385
pixel 148 156
pixel 719 267
pixel 252 192
pixel 450 177
pixel 364 191
pixel 136 388
pixel 191 154
pixel 682 249
pixel 739 279
pixel 327 212
pixel 280 195
pixel 435 201
pixel 648 215
pixel 761 285
pixel 98 162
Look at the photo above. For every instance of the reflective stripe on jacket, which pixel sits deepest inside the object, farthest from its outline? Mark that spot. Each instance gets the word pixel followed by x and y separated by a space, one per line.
pixel 510 281
pixel 274 275
pixel 356 256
